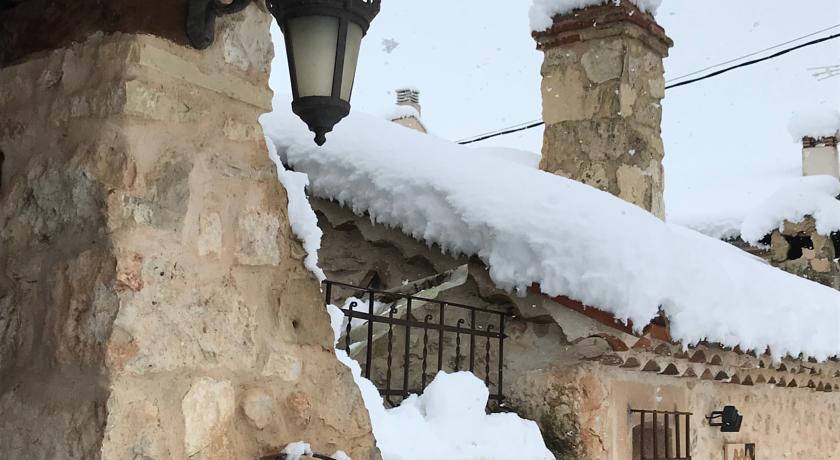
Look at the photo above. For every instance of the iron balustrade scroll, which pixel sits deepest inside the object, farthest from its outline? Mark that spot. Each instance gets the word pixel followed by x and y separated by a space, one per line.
pixel 653 438
pixel 403 340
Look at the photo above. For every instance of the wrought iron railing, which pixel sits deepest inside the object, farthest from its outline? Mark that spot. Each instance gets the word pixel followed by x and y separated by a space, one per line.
pixel 286 456
pixel 653 438
pixel 394 334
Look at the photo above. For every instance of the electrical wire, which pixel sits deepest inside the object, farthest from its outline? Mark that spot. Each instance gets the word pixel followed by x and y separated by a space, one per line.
pixel 536 123
pixel 754 53
pixel 754 61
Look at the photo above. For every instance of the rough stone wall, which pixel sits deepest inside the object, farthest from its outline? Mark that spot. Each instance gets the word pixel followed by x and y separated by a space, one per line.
pixel 601 91
pixel 783 422
pixel 798 248
pixel 153 299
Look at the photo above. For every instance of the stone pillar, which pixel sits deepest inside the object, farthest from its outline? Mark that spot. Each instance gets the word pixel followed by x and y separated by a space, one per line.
pixel 153 299
pixel 601 90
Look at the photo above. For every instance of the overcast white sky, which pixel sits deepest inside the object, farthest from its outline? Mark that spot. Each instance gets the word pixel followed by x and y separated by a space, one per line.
pixel 726 139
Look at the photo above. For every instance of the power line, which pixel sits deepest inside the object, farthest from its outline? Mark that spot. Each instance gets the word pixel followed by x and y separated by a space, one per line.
pixel 534 124
pixel 754 61
pixel 502 133
pixel 753 53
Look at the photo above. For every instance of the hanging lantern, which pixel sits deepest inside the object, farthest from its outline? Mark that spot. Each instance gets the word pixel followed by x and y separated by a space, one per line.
pixel 323 38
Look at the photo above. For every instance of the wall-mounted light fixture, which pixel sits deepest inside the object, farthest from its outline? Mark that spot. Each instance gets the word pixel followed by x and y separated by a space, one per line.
pixel 323 38
pixel 729 420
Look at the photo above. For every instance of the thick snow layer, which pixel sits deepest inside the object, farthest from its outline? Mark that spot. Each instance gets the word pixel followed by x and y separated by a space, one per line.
pixel 530 227
pixel 302 218
pixel 808 196
pixel 819 123
pixel 447 422
pixel 542 11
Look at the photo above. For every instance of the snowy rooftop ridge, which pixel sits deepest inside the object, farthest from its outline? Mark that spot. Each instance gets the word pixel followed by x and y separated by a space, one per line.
pixel 814 196
pixel 529 226
pixel 542 12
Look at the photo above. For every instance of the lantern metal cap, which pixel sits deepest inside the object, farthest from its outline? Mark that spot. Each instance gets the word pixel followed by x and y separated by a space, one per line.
pixel 320 113
pixel 361 12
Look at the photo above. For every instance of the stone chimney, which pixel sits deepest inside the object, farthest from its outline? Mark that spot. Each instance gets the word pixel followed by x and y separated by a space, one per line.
pixel 603 80
pixel 407 112
pixel 820 157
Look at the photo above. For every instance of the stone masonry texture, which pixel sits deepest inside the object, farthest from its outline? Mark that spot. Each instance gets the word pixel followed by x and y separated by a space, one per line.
pixel 153 299
pixel 601 90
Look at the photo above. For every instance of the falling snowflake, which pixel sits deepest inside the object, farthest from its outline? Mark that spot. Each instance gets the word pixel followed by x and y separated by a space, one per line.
pixel 389 45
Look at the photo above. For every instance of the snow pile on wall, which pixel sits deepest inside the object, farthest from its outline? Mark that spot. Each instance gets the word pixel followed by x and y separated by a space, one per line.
pixel 817 123
pixel 300 449
pixel 814 196
pixel 798 197
pixel 529 226
pixel 302 218
pixel 447 421
pixel 542 11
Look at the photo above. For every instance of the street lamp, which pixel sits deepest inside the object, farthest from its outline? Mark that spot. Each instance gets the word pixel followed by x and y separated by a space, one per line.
pixel 323 38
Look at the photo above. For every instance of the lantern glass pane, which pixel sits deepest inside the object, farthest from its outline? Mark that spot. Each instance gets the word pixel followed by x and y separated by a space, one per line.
pixel 351 58
pixel 314 40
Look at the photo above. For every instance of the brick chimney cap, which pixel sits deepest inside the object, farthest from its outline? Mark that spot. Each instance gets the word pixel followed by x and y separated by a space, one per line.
pixel 577 24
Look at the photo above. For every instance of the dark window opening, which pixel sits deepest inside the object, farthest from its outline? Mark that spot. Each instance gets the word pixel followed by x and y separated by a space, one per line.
pixel 797 244
pixel 766 240
pixel 2 159
pixel 661 435
pixel 835 240
pixel 372 280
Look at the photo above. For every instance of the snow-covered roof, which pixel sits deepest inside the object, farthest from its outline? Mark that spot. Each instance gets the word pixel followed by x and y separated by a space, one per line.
pixel 814 196
pixel 529 226
pixel 798 197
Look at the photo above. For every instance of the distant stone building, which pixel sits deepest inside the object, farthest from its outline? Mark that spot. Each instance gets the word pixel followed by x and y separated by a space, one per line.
pixel 408 111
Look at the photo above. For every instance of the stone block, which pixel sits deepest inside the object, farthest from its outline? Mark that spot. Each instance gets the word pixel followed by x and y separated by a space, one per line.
pixel 210 234
pixel 634 185
pixel 286 367
pixel 258 407
pixel 258 236
pixel 207 407
pixel 779 247
pixel 603 61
